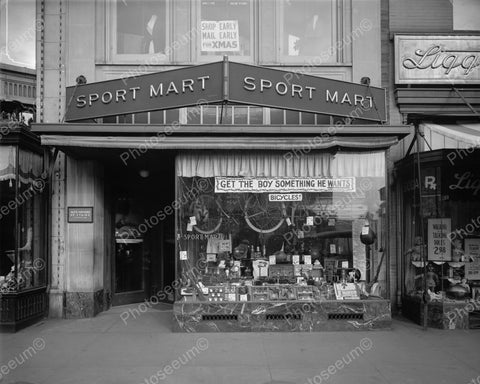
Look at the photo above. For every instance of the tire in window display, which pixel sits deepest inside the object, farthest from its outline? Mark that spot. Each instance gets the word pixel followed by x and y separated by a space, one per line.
pixel 260 214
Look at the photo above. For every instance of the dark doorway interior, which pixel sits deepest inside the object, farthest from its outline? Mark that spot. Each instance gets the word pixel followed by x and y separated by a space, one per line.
pixel 143 247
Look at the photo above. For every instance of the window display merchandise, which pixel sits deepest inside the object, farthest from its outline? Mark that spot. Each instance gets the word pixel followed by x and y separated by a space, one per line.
pixel 271 239
pixel 442 257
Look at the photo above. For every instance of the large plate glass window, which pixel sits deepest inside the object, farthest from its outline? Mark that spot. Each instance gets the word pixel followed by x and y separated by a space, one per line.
pixel 252 225
pixel 140 30
pixel 226 28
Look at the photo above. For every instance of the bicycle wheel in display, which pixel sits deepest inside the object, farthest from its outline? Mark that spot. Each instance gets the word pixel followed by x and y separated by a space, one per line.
pixel 207 214
pixel 262 215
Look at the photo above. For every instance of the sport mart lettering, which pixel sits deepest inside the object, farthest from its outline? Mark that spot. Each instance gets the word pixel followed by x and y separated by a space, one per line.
pixel 227 82
pixel 154 90
pixel 282 88
pixel 259 185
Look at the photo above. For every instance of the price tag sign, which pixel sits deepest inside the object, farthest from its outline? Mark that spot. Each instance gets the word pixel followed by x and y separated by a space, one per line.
pixel 295 259
pixel 365 229
pixel 439 245
pixel 224 246
pixel 309 220
pixel 183 255
pixel 307 259
pixel 193 220
pixel 189 227
pixel 289 222
pixel 272 259
pixel 333 248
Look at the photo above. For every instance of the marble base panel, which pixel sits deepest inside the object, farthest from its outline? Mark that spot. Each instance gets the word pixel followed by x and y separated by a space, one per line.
pixel 441 314
pixel 83 304
pixel 294 316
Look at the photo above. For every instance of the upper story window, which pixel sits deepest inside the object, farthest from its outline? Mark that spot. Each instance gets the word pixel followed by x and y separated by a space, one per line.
pixel 159 32
pixel 226 28
pixel 465 15
pixel 140 30
pixel 307 29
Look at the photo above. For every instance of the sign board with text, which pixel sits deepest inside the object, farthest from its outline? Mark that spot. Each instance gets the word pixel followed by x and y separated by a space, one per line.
pixel 80 215
pixel 283 184
pixel 224 82
pixel 219 36
pixel 439 245
pixel 437 59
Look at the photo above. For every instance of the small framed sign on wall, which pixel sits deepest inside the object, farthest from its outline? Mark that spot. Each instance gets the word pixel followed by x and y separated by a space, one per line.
pixel 80 214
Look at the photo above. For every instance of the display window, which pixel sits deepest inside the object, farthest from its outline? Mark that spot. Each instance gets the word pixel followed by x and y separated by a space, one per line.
pixel 253 227
pixel 226 28
pixel 22 256
pixel 442 230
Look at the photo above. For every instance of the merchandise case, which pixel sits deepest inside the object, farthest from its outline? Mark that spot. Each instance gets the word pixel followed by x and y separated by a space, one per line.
pixel 265 243
pixel 441 238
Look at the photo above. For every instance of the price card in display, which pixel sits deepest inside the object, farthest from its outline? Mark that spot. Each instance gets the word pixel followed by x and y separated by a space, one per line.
pixel 243 297
pixel 193 220
pixel 183 255
pixel 295 259
pixel 211 257
pixel 307 259
pixel 272 259
pixel 224 246
pixel 309 220
pixel 189 227
pixel 472 270
pixel 289 222
pixel 365 230
pixel 333 248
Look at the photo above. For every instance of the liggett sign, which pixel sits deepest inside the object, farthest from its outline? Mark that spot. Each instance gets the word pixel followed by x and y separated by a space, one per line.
pixel 224 82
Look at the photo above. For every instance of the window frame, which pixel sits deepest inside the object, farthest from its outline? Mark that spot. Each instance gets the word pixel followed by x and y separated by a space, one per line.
pixel 136 58
pixel 341 27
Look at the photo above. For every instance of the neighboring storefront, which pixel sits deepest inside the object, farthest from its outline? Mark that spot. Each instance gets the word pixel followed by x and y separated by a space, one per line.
pixel 23 199
pixel 438 88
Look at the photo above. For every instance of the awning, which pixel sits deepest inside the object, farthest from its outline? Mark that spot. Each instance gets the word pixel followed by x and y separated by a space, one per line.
pixel 306 144
pixel 451 135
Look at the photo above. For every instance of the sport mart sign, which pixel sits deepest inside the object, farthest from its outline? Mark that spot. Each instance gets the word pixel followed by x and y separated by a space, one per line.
pixel 225 82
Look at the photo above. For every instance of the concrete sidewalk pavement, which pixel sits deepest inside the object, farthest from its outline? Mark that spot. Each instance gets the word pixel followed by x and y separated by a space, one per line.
pixel 107 349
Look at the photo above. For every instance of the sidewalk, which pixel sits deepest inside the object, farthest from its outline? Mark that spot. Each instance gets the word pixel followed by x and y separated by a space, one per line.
pixel 106 350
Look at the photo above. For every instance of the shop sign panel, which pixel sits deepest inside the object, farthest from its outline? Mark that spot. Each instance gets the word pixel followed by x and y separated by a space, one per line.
pixel 439 245
pixel 220 36
pixel 192 86
pixel 283 184
pixel 225 82
pixel 80 215
pixel 437 59
pixel 301 92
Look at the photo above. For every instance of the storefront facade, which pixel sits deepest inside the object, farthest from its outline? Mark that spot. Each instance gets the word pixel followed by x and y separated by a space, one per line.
pixel 224 183
pixel 437 89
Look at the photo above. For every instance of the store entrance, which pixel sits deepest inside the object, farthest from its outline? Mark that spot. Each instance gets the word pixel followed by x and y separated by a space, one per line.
pixel 143 247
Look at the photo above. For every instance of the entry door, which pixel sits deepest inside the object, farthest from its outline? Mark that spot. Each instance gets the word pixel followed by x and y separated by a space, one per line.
pixel 129 272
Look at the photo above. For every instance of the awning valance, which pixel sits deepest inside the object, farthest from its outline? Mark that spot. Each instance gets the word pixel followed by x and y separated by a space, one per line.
pixel 301 144
pixel 451 135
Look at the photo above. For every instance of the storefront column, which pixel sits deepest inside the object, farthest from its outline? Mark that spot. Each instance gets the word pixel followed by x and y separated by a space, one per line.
pixel 85 243
pixel 57 239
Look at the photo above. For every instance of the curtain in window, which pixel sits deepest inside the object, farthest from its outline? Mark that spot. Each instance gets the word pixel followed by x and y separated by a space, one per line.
pixel 284 164
pixel 7 163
